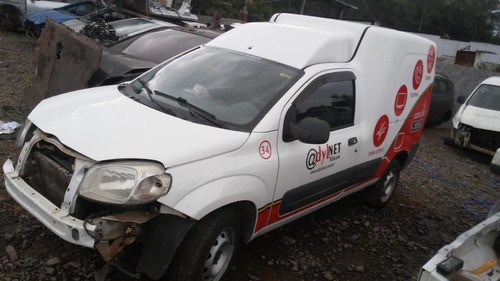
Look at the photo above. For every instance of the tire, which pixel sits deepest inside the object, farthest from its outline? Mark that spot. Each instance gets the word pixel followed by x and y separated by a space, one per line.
pixel 208 249
pixel 378 195
pixel 446 117
pixel 9 18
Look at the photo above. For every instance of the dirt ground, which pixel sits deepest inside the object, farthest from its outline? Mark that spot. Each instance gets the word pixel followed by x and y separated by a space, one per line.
pixel 437 199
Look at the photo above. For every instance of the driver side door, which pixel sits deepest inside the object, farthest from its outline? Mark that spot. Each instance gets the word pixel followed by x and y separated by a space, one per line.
pixel 310 174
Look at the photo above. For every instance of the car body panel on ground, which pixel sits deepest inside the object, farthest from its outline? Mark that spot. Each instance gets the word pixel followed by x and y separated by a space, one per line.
pixel 474 254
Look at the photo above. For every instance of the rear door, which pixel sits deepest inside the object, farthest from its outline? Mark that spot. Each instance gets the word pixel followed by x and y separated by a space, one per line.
pixel 441 101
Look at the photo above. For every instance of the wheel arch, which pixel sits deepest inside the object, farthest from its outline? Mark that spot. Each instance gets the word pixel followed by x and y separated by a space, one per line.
pixel 245 193
pixel 247 212
pixel 166 232
pixel 404 157
pixel 6 9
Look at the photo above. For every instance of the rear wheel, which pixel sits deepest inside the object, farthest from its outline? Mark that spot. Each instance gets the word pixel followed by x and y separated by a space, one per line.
pixel 208 249
pixel 380 193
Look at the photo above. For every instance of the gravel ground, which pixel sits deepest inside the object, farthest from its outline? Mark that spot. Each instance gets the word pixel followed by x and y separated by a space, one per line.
pixel 344 241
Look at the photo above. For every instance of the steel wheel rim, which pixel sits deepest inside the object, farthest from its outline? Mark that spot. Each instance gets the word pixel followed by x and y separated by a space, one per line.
pixel 219 256
pixel 388 185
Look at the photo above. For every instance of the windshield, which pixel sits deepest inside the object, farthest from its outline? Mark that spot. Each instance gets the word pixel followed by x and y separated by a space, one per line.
pixel 487 97
pixel 127 27
pixel 233 89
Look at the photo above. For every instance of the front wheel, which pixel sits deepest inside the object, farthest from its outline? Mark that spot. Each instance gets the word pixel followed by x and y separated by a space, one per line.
pixel 208 249
pixel 379 194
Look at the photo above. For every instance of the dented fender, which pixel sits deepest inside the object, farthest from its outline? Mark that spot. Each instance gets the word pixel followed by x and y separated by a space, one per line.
pixel 222 192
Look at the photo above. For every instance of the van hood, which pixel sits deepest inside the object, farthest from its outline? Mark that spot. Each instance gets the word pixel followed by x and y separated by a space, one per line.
pixel 103 124
pixel 481 118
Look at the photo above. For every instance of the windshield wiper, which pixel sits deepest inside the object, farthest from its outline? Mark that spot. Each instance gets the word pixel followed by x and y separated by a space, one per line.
pixel 205 115
pixel 150 96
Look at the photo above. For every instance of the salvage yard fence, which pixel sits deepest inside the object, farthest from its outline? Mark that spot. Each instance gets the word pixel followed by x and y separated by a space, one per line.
pixel 449 48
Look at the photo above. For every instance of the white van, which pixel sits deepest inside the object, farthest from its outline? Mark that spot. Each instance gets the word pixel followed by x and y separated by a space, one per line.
pixel 263 125
pixel 476 125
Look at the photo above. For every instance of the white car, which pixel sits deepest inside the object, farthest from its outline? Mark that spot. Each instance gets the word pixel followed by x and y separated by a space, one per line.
pixel 227 141
pixel 476 124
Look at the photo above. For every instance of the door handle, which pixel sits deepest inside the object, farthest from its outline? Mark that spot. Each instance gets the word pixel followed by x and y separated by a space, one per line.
pixel 352 141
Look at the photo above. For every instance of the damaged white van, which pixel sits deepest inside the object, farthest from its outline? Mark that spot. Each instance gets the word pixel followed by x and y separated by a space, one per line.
pixel 264 124
pixel 476 125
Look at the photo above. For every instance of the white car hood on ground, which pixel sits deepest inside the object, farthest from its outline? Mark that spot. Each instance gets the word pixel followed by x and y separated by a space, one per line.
pixel 103 124
pixel 481 118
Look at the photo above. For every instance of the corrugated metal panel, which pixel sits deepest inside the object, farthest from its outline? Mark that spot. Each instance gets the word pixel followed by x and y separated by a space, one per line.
pixel 446 47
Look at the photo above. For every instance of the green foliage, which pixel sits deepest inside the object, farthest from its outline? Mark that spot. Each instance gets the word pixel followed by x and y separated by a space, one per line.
pixel 259 10
pixel 467 20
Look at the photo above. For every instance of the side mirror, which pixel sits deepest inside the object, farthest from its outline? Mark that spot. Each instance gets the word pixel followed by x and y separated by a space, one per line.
pixel 461 99
pixel 309 130
pixel 495 163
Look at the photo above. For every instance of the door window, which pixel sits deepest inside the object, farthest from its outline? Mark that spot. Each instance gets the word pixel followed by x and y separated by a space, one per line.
pixel 330 98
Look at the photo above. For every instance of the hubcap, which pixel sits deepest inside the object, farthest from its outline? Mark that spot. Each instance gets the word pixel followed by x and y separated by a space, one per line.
pixel 220 255
pixel 389 185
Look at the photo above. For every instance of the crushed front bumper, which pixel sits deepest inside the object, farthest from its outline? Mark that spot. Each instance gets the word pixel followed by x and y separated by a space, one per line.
pixel 483 141
pixel 57 220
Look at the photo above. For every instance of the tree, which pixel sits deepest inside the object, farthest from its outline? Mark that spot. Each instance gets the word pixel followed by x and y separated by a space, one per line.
pixel 460 19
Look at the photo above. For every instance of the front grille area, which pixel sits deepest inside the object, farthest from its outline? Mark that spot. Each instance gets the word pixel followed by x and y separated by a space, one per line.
pixel 49 171
pixel 489 140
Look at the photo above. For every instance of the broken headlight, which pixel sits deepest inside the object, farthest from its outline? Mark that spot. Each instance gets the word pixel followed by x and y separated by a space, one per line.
pixel 129 183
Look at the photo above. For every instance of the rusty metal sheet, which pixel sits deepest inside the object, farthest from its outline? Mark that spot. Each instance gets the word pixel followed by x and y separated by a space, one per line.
pixel 65 61
pixel 465 58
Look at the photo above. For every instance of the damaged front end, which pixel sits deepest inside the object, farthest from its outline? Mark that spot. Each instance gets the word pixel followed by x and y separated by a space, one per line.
pixel 481 140
pixel 106 206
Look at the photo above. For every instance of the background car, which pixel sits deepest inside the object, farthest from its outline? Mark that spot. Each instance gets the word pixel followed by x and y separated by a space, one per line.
pixel 441 108
pixel 13 12
pixel 476 124
pixel 127 59
pixel 36 21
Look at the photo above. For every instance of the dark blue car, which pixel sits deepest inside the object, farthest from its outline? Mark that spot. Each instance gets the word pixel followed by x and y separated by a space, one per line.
pixel 36 21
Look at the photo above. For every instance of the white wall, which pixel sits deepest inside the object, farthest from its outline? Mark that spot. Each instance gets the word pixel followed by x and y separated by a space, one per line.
pixel 447 47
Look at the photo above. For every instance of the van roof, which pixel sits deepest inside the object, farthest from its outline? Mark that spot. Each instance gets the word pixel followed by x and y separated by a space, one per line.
pixel 295 40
